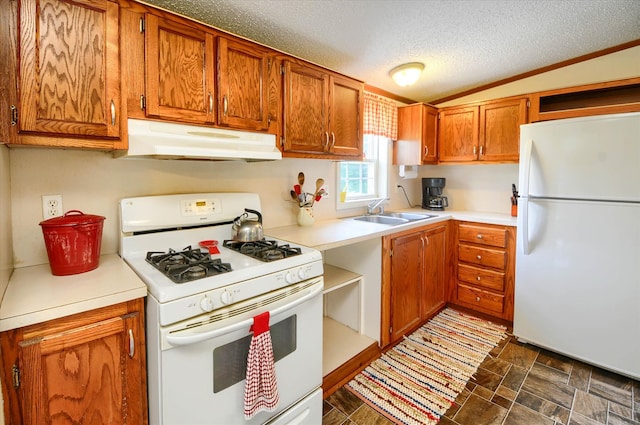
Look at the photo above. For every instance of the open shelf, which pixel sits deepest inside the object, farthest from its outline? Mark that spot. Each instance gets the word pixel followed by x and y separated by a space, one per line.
pixel 340 343
pixel 610 97
pixel 336 278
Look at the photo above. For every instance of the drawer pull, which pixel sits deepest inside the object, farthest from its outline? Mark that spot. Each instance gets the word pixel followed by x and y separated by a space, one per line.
pixel 478 299
pixel 479 257
pixel 478 278
pixel 479 236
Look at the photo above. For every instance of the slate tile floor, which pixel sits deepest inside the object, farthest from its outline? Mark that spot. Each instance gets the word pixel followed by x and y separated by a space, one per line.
pixel 519 384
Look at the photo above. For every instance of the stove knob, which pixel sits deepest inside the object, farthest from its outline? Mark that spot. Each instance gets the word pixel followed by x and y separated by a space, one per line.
pixel 226 297
pixel 302 274
pixel 290 277
pixel 206 304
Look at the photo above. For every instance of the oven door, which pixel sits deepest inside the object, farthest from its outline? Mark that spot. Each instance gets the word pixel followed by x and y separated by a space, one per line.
pixel 203 366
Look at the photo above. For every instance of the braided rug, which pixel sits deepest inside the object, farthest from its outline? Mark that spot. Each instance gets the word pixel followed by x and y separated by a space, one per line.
pixel 418 380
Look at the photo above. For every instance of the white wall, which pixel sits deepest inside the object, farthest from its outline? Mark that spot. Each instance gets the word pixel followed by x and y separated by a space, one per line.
pixel 94 182
pixel 615 66
pixel 6 254
pixel 476 187
pixel 6 257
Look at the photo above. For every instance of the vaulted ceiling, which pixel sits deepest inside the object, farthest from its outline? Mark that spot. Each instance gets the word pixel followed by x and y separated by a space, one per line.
pixel 463 43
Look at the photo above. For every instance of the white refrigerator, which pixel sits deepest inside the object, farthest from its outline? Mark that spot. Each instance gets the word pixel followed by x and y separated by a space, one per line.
pixel 577 288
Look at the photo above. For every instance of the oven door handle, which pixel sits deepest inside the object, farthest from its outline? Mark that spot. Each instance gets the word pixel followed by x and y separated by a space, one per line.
pixel 199 337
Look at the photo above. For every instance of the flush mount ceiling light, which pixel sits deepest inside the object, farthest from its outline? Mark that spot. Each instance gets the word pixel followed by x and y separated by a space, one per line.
pixel 406 74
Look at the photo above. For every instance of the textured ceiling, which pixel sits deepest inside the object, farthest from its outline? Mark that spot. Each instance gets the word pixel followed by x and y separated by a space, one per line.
pixel 463 43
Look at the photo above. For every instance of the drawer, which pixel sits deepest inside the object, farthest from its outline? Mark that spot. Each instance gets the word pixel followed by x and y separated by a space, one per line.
pixel 489 236
pixel 481 277
pixel 482 256
pixel 481 299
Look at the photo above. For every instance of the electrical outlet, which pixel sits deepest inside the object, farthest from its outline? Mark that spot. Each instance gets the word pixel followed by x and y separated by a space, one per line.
pixel 51 206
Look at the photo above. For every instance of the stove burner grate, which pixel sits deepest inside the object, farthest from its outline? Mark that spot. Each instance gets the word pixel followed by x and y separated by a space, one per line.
pixel 186 265
pixel 263 250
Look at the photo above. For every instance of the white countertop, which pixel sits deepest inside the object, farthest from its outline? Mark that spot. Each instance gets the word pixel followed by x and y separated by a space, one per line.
pixel 34 295
pixel 328 234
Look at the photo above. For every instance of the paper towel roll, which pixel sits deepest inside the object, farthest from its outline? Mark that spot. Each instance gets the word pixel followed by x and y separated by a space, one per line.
pixel 408 171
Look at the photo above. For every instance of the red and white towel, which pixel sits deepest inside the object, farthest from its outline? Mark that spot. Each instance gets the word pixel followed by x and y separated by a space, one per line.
pixel 261 387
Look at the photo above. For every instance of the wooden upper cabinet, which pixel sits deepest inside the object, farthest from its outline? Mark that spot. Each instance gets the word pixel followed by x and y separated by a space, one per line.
pixel 429 135
pixel 322 113
pixel 345 118
pixel 458 134
pixel 179 71
pixel 69 78
pixel 489 131
pixel 306 97
pixel 417 135
pixel 242 85
pixel 500 129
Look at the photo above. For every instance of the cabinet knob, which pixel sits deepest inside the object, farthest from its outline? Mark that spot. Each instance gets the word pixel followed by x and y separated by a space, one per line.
pixel 479 236
pixel 479 257
pixel 478 299
pixel 211 103
pixel 225 104
pixel 478 278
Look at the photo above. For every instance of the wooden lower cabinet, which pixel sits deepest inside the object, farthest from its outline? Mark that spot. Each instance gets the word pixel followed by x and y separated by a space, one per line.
pixel 86 368
pixel 484 258
pixel 414 276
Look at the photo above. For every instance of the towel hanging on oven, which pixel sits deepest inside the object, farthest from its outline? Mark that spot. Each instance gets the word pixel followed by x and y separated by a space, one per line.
pixel 261 387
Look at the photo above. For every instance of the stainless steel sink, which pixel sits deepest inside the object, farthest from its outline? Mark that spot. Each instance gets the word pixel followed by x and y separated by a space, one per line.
pixel 382 219
pixel 393 218
pixel 408 216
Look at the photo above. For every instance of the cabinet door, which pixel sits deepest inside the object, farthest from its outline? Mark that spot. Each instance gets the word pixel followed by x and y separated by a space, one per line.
pixel 345 117
pixel 81 375
pixel 429 134
pixel 242 85
pixel 406 150
pixel 417 135
pixel 500 130
pixel 69 67
pixel 179 71
pixel 435 271
pixel 306 97
pixel 458 134
pixel 406 282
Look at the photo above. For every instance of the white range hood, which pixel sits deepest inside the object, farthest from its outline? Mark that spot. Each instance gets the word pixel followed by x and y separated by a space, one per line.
pixel 162 140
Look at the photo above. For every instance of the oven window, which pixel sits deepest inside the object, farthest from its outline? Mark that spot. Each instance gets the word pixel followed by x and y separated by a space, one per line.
pixel 230 360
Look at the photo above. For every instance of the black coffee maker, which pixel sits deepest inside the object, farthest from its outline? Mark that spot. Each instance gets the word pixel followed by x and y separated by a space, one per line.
pixel 432 198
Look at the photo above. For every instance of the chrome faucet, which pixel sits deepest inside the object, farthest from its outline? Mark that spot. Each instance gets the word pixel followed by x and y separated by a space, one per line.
pixel 376 203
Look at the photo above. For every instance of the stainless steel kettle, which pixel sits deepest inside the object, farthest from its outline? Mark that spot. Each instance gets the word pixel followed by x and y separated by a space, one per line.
pixel 246 230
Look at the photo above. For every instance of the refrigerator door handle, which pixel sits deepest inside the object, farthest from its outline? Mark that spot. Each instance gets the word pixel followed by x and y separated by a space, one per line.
pixel 524 227
pixel 525 160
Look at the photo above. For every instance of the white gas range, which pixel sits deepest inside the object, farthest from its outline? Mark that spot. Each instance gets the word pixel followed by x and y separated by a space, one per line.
pixel 201 307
